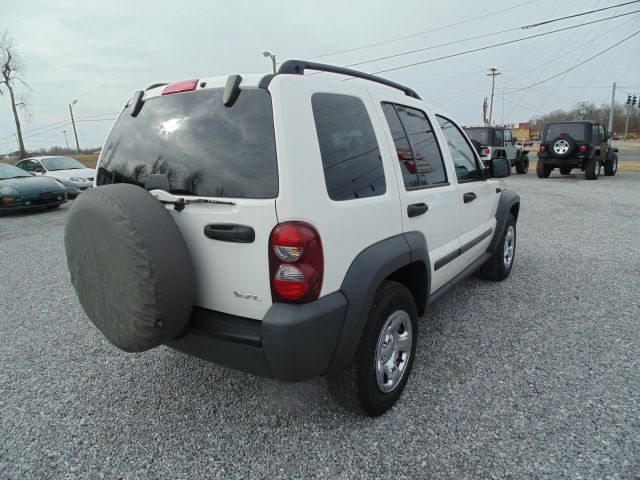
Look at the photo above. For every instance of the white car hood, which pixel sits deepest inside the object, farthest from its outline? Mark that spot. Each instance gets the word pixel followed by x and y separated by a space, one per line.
pixel 85 173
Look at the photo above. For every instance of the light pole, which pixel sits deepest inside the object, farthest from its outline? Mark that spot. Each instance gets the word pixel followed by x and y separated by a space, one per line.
pixel 493 72
pixel 272 57
pixel 73 122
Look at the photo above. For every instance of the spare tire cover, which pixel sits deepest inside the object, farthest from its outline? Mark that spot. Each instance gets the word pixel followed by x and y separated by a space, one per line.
pixel 129 265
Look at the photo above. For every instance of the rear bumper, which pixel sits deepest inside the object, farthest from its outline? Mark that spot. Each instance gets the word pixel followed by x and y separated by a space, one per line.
pixel 554 162
pixel 292 343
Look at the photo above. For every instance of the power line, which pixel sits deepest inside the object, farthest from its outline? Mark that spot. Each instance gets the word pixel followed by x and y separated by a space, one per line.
pixel 499 44
pixel 424 32
pixel 577 64
pixel 533 25
pixel 61 123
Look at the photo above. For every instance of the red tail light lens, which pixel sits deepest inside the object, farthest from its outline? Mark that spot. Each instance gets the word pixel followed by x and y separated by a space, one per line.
pixel 583 148
pixel 486 152
pixel 296 263
pixel 186 86
pixel 543 148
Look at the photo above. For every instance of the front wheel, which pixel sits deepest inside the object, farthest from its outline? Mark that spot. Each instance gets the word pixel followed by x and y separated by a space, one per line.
pixel 542 170
pixel 378 373
pixel 522 166
pixel 611 167
pixel 499 265
pixel 592 168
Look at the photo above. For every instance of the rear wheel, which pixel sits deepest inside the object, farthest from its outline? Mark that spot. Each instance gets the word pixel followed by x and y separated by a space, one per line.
pixel 611 167
pixel 378 373
pixel 592 168
pixel 498 267
pixel 522 166
pixel 565 170
pixel 542 170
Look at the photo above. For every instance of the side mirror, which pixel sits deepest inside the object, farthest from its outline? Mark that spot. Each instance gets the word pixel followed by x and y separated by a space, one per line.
pixel 499 168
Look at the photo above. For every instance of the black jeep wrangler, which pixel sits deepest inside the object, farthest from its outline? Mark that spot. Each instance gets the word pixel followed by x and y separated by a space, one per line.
pixel 583 145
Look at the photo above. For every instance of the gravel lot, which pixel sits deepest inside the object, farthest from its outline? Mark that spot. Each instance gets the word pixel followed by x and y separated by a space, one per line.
pixel 536 377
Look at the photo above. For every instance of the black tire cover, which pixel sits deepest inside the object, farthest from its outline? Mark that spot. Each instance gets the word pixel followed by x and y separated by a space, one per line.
pixel 130 266
pixel 570 141
pixel 477 145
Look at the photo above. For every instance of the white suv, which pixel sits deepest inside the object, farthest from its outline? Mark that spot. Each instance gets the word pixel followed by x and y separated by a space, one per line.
pixel 287 225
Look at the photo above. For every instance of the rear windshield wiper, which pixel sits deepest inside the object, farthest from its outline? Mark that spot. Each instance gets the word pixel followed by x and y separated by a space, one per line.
pixel 180 202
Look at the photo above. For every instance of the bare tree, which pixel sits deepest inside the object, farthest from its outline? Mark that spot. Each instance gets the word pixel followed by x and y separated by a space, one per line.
pixel 11 71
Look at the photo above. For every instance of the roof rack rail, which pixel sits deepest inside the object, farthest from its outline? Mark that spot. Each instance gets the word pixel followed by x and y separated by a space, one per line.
pixel 297 67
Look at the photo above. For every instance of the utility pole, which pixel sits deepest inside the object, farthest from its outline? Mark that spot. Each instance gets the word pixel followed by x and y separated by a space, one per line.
pixel 73 122
pixel 65 138
pixel 613 105
pixel 493 73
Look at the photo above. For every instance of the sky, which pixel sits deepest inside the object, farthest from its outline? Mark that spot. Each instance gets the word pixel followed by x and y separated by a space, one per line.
pixel 100 52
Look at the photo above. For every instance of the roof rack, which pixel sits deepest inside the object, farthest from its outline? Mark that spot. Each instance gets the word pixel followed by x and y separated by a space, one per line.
pixel 297 67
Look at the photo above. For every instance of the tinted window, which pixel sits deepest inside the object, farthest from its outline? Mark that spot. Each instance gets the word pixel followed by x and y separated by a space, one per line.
pixel 602 135
pixel 482 135
pixel 461 152
pixel 203 147
pixel 27 165
pixel 499 137
pixel 403 150
pixel 577 131
pixel 348 146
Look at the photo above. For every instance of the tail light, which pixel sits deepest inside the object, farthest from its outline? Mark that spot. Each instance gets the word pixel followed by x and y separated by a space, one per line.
pixel 583 148
pixel 296 263
pixel 543 148
pixel 486 152
pixel 179 87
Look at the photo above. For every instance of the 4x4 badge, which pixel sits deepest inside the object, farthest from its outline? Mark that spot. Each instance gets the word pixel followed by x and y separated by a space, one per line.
pixel 247 296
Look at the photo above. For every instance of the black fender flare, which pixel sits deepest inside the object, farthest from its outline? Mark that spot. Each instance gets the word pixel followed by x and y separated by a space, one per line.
pixel 365 274
pixel 508 200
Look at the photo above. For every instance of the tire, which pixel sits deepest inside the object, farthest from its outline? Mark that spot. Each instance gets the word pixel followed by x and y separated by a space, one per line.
pixel 542 170
pixel 562 146
pixel 359 387
pixel 611 167
pixel 498 267
pixel 522 166
pixel 592 168
pixel 565 170
pixel 130 266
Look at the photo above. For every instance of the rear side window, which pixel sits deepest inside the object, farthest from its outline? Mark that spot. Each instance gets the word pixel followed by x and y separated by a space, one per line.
pixel 203 147
pixel 348 146
pixel 416 146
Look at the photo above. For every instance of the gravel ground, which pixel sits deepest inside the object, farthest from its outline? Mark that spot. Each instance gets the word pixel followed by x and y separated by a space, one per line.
pixel 535 377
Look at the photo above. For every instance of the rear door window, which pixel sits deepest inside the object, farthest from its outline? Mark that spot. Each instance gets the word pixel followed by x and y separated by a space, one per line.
pixel 348 146
pixel 203 147
pixel 418 152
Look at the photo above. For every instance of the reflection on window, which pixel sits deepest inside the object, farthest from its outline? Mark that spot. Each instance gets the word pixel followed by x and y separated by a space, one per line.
pixel 418 153
pixel 462 154
pixel 348 146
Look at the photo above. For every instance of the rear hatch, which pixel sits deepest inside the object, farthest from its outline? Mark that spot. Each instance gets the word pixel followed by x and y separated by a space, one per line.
pixel 224 156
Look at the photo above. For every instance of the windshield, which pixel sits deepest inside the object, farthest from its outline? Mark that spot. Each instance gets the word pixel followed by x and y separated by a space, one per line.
pixel 577 131
pixel 61 163
pixel 479 135
pixel 203 147
pixel 9 171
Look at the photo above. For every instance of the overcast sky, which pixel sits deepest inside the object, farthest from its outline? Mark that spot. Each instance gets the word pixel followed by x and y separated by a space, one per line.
pixel 100 52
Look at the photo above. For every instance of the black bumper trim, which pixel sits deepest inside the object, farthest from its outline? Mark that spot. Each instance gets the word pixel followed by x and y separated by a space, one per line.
pixel 292 343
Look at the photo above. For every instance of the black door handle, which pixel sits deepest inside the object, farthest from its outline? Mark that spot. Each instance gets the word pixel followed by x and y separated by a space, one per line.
pixel 416 209
pixel 469 197
pixel 229 232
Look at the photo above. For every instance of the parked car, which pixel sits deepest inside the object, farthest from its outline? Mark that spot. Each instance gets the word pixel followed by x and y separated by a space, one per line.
pixel 301 233
pixel 581 144
pixel 499 142
pixel 69 171
pixel 20 190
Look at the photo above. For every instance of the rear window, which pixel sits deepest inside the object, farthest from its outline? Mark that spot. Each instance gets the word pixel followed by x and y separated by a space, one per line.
pixel 203 147
pixel 348 146
pixel 577 131
pixel 481 135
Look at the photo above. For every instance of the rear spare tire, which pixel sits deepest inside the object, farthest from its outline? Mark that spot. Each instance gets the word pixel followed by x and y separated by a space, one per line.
pixel 130 266
pixel 562 146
